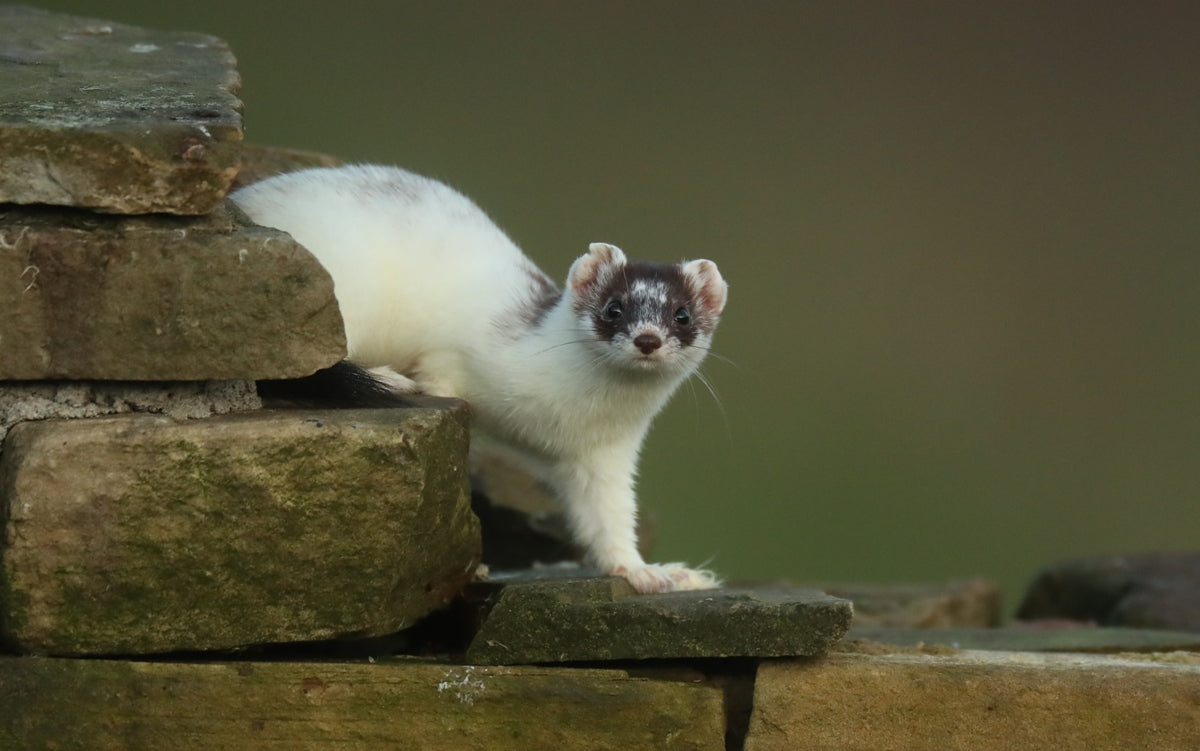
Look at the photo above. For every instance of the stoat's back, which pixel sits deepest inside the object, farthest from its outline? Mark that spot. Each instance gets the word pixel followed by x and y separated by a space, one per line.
pixel 415 264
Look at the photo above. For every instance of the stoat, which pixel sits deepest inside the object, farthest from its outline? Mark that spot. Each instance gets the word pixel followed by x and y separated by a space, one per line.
pixel 440 299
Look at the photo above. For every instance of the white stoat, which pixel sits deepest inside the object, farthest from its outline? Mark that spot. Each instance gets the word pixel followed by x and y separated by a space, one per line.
pixel 431 288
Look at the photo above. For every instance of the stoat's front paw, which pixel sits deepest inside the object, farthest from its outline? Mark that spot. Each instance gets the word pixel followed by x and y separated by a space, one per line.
pixel 648 578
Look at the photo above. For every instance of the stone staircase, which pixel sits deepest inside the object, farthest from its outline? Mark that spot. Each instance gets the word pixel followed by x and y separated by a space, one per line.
pixel 182 568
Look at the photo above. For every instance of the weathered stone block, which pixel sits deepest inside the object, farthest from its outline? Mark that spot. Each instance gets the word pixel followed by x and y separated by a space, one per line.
pixel 115 118
pixel 244 705
pixel 977 701
pixel 159 298
pixel 1154 590
pixel 40 400
pixel 135 533
pixel 579 620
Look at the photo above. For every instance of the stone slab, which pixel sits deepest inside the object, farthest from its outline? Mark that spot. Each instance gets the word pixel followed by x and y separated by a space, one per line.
pixel 1152 590
pixel 584 620
pixel 978 701
pixel 90 297
pixel 138 534
pixel 1028 639
pixel 103 704
pixel 21 401
pixel 115 118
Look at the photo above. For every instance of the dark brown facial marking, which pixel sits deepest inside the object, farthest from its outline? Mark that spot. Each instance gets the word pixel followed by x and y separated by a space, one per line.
pixel 645 293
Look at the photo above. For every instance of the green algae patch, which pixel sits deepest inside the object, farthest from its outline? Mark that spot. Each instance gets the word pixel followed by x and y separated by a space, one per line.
pixel 137 534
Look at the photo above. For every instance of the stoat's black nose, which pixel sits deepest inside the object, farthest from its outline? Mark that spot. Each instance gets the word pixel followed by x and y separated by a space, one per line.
pixel 647 343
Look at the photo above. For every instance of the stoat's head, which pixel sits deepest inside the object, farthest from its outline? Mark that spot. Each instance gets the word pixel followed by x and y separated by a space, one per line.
pixel 646 317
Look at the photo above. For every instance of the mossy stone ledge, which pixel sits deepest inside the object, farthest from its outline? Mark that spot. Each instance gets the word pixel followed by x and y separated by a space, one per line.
pixel 112 704
pixel 137 534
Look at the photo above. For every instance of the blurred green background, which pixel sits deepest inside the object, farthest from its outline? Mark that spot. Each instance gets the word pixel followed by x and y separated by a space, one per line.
pixel 963 243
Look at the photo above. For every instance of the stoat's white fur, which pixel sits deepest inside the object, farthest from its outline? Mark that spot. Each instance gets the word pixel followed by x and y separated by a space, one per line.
pixel 430 288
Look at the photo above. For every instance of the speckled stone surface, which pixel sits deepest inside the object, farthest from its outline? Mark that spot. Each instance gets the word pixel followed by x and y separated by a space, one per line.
pixel 595 619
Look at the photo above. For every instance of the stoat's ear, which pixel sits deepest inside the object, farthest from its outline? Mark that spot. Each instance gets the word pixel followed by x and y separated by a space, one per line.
pixel 593 270
pixel 706 283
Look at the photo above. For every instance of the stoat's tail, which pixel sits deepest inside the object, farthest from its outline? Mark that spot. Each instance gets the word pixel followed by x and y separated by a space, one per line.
pixel 341 385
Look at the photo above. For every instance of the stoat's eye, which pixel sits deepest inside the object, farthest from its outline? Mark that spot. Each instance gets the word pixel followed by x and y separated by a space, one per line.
pixel 683 317
pixel 612 310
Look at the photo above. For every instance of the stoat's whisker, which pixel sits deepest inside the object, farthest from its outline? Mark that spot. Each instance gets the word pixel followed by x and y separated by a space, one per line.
pixel 560 344
pixel 712 390
pixel 708 351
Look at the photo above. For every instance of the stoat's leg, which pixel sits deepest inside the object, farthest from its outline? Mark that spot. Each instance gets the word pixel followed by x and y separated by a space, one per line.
pixel 597 495
pixel 396 382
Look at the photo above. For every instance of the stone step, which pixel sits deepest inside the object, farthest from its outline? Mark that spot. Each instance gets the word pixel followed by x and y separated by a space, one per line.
pixel 109 704
pixel 137 534
pixel 560 619
pixel 978 701
pixel 160 298
pixel 115 118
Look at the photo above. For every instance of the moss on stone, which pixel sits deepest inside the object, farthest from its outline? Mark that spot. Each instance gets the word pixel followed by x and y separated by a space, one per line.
pixel 261 527
pixel 246 705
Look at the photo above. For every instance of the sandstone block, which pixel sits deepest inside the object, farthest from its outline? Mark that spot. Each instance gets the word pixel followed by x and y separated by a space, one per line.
pixel 115 118
pixel 159 298
pixel 977 701
pixel 576 620
pixel 245 705
pixel 136 533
